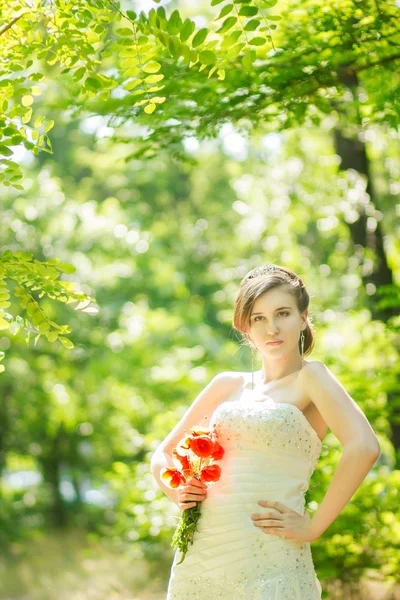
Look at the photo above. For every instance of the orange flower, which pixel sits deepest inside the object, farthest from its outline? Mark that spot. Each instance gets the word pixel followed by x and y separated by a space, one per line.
pixel 210 473
pixel 202 445
pixel 218 451
pixel 172 477
pixel 200 430
pixel 183 446
pixel 182 462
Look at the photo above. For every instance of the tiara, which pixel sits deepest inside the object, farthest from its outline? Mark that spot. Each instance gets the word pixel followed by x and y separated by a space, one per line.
pixel 261 271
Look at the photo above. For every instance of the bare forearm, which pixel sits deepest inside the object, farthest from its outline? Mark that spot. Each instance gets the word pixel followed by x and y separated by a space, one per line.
pixel 354 465
pixel 158 461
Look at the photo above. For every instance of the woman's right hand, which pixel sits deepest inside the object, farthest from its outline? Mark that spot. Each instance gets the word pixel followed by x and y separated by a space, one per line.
pixel 194 489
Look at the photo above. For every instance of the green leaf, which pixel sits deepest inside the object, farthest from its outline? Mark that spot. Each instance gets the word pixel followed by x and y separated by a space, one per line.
pixel 92 84
pixel 174 46
pixel 79 73
pixel 48 142
pixel 187 29
pixel 248 11
pixel 257 41
pixel 66 268
pixel 38 122
pixel 107 82
pixel 152 67
pixel 207 57
pixel 252 25
pixel 225 11
pixel 123 31
pixel 5 151
pixel 174 23
pixel 150 108
pixel 132 84
pixel 44 328
pixel 199 37
pixel 49 125
pixel 27 116
pixel 4 324
pixel 231 39
pixel 227 24
pixel 154 78
pixel 36 76
pixel 66 342
pixel 248 58
pixel 273 17
pixel 215 2
pixel 235 50
pixel 52 336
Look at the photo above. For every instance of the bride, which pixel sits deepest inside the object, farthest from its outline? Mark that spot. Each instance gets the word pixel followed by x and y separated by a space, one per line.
pixel 253 536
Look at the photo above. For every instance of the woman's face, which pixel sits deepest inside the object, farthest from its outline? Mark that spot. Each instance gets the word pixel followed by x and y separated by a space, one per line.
pixel 275 316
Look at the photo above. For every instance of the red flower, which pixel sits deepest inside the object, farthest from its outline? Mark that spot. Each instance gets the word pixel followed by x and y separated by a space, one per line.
pixel 210 473
pixel 183 463
pixel 218 451
pixel 202 445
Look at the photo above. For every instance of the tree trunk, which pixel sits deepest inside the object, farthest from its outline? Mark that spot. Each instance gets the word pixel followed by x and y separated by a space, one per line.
pixel 52 474
pixel 354 156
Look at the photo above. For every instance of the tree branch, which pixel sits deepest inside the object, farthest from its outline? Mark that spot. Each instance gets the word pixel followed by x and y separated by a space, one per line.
pixel 378 62
pixel 15 19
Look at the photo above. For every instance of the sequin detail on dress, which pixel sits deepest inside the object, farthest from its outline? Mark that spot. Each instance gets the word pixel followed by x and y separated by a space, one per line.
pixel 271 451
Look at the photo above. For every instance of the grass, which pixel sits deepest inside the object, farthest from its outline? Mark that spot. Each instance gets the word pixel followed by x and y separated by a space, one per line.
pixel 68 567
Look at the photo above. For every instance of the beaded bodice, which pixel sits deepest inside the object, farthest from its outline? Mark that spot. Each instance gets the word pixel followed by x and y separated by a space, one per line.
pixel 251 423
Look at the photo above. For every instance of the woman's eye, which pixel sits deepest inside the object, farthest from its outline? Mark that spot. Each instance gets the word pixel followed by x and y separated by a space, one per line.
pixel 283 312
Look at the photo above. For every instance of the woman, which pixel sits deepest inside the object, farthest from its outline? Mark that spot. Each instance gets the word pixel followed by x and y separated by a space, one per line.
pixel 253 538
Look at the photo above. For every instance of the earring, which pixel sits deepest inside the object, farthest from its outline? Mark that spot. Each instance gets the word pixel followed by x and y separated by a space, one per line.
pixel 252 368
pixel 302 338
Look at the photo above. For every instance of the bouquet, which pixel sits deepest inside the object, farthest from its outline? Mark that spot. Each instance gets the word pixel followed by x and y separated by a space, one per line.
pixel 194 456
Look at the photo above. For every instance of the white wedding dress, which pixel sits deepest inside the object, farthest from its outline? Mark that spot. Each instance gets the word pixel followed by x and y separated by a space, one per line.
pixel 271 451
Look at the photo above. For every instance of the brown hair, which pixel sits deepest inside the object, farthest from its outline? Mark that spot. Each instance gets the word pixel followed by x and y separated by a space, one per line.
pixel 260 280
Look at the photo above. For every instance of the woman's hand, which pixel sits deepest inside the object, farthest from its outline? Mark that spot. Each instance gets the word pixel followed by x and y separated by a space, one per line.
pixel 194 489
pixel 286 522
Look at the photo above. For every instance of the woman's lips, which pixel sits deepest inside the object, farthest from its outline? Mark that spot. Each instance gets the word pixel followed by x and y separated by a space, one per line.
pixel 276 343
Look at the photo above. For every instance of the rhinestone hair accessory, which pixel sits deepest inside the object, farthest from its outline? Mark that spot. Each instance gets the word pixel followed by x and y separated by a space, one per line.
pixel 261 271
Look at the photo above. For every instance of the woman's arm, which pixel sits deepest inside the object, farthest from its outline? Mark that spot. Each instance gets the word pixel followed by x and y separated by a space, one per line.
pixel 355 462
pixel 159 460
pixel 347 421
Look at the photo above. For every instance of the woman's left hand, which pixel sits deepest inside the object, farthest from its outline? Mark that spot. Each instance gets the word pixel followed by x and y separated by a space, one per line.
pixel 286 522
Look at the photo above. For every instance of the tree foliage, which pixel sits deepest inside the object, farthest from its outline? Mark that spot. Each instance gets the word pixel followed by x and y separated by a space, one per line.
pixel 255 62
pixel 26 275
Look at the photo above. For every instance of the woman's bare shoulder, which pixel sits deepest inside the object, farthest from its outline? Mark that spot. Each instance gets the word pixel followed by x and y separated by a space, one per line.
pixel 315 366
pixel 231 377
